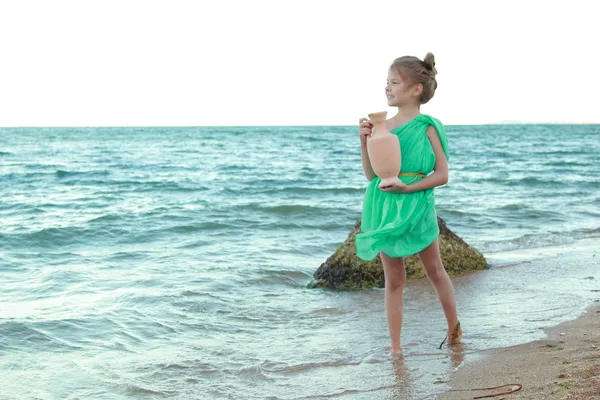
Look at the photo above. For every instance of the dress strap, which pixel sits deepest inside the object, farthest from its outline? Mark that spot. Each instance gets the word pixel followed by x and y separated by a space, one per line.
pixel 439 127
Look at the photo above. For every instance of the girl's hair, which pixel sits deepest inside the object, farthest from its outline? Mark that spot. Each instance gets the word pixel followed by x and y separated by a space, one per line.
pixel 415 71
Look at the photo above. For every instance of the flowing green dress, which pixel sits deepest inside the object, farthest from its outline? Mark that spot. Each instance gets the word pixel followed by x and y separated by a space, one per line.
pixel 402 224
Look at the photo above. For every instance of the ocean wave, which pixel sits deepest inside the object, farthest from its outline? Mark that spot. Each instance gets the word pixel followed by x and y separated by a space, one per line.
pixel 288 278
pixel 348 392
pixel 586 232
pixel 329 224
pixel 138 388
pixel 313 191
pixel 26 334
pixel 254 372
pixel 58 282
pixel 529 181
pixel 196 365
pixel 47 237
pixel 106 218
pixel 550 180
pixel 63 236
pixel 525 210
pixel 562 164
pixel 139 255
pixel 282 368
pixel 59 174
pixel 133 225
pixel 206 226
pixel 529 241
pixel 66 174
pixel 449 212
pixel 560 153
pixel 150 186
pixel 513 207
pixel 291 209
pixel 27 177
pixel 17 207
pixel 194 244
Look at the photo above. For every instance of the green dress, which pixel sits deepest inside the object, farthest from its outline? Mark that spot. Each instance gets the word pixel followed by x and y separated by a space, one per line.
pixel 402 224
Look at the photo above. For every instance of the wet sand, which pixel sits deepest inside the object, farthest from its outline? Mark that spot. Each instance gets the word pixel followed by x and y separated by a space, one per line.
pixel 565 365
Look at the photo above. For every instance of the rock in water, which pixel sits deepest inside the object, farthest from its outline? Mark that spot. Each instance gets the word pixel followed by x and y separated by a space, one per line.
pixel 343 270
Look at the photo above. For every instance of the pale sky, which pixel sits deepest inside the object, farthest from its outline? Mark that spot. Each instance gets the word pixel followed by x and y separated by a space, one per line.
pixel 324 62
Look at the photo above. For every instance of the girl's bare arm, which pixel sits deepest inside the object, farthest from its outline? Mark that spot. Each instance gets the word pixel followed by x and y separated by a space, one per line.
pixel 439 176
pixel 364 131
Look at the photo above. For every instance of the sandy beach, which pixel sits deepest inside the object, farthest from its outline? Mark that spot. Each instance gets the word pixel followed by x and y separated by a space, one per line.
pixel 565 365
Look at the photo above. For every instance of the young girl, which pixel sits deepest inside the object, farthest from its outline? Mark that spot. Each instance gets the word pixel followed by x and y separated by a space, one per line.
pixel 400 220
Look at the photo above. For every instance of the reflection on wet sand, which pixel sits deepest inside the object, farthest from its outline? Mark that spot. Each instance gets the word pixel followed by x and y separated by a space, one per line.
pixel 408 371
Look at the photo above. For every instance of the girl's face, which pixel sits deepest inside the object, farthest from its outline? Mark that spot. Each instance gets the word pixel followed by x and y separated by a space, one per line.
pixel 398 92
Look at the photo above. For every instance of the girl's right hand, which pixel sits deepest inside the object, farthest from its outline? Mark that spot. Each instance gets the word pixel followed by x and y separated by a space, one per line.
pixel 365 128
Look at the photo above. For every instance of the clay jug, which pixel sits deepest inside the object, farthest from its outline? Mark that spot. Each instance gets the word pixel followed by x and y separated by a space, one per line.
pixel 383 149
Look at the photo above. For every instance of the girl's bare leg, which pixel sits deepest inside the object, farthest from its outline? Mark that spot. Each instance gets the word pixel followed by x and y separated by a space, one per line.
pixel 395 277
pixel 434 269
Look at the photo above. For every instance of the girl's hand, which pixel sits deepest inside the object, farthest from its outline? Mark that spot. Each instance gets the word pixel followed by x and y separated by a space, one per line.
pixel 396 187
pixel 365 129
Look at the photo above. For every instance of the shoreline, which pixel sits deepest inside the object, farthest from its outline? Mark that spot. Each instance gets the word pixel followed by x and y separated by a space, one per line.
pixel 564 365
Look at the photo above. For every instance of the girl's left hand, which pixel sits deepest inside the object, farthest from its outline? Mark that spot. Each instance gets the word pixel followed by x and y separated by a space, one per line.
pixel 396 186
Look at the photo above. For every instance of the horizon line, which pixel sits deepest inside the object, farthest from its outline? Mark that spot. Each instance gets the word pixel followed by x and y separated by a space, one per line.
pixel 282 125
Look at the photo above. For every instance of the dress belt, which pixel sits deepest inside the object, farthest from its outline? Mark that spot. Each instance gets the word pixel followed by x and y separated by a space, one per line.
pixel 417 174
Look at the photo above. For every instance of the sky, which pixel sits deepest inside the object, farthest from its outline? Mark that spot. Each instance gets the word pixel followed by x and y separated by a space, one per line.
pixel 258 62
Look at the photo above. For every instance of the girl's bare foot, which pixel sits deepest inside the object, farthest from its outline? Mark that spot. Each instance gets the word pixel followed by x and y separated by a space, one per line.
pixel 396 351
pixel 455 337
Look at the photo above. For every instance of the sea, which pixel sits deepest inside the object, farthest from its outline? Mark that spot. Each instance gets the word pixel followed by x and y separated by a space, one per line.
pixel 173 262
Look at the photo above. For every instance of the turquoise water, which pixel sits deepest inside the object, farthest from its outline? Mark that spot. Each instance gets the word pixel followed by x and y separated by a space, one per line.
pixel 160 263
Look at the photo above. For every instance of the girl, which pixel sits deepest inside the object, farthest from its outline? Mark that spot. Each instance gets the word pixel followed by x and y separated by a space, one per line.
pixel 400 220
